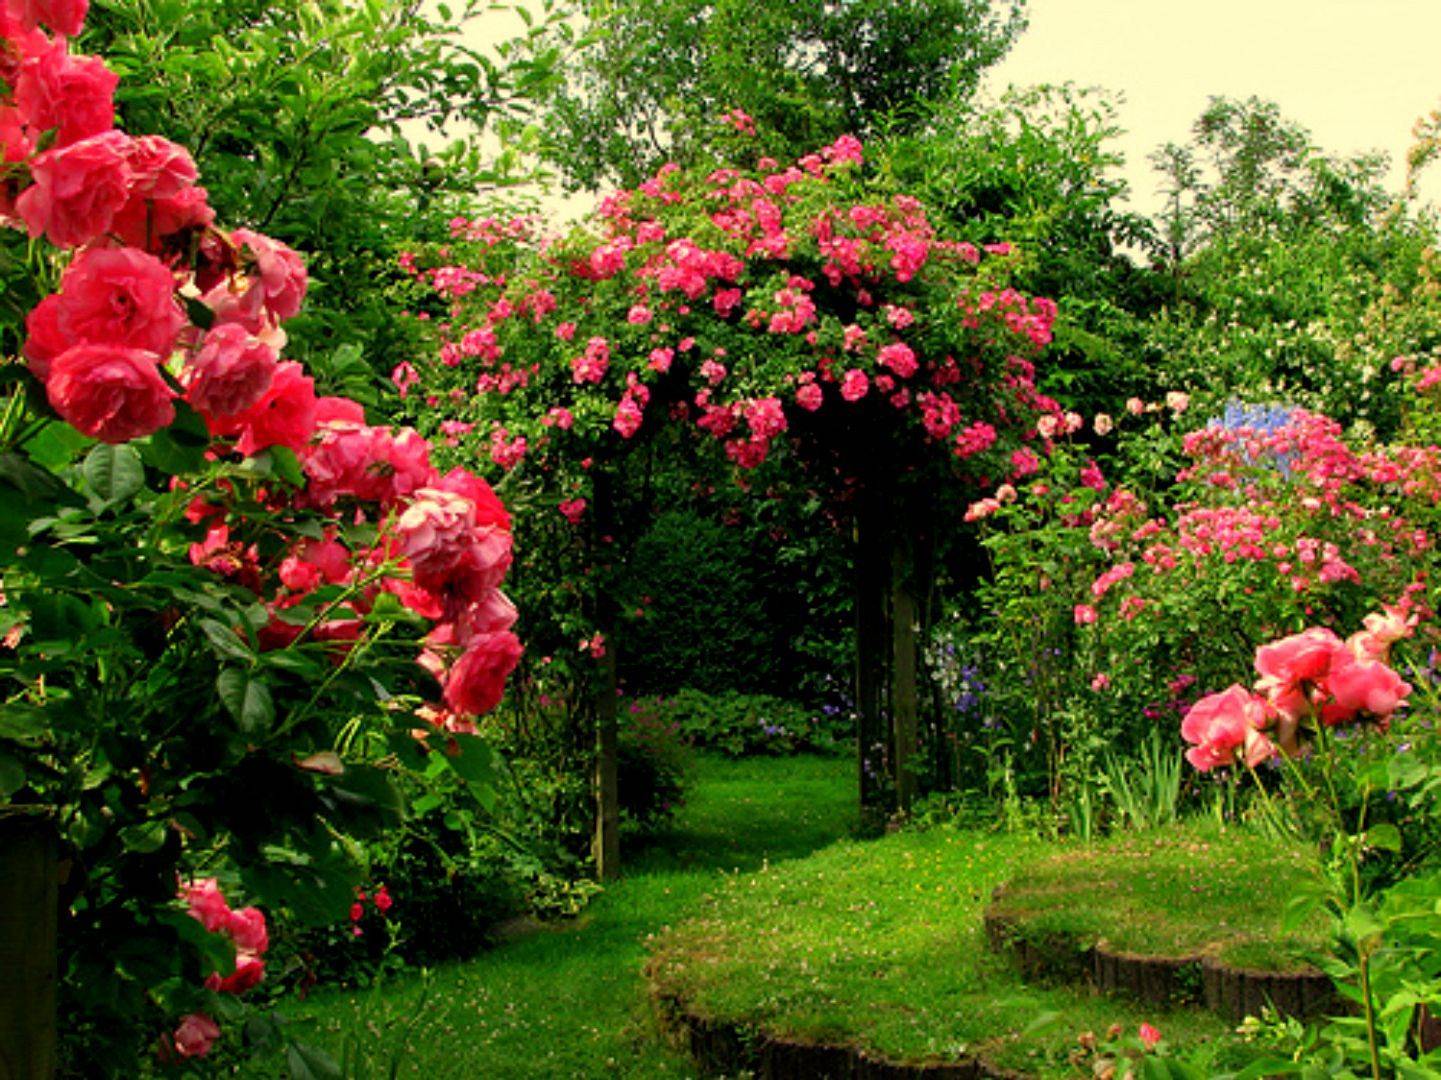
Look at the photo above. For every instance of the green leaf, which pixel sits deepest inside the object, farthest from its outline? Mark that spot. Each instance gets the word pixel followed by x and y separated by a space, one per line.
pixel 247 698
pixel 478 765
pixel 199 314
pixel 113 473
pixel 225 642
pixel 1383 837
pixel 55 445
pixel 217 951
pixel 144 838
pixel 287 466
pixel 12 775
pixel 308 1063
pixel 179 448
pixel 364 800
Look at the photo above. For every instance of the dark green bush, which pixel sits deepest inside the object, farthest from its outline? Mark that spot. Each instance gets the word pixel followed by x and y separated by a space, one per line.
pixel 651 768
pixel 741 724
pixel 704 618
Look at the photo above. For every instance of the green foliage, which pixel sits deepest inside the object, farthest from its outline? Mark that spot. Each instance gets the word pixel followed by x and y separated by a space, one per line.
pixel 1038 167
pixel 651 766
pixel 699 615
pixel 1293 275
pixel 306 121
pixel 806 71
pixel 740 724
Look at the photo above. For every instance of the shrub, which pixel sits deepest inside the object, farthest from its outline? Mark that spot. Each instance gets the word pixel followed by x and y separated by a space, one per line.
pixel 739 724
pixel 652 765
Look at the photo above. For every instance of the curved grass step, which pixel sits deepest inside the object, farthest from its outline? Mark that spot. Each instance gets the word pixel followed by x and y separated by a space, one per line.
pixel 870 960
pixel 1165 919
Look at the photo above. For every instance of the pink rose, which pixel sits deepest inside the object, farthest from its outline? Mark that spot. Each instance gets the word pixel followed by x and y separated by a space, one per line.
pixel 65 17
pixel 489 510
pixel 476 682
pixel 207 904
pixel 284 415
pixel 110 393
pixel 1225 726
pixel 119 296
pixel 78 189
pixel 231 372
pixel 1084 614
pixel 810 397
pixel 46 339
pixel 900 358
pixel 249 972
pixel 855 385
pixel 572 510
pixel 1356 686
pixel 194 1036
pixel 248 930
pixel 272 289
pixel 1291 668
pixel 435 533
pixel 74 94
pixel 164 198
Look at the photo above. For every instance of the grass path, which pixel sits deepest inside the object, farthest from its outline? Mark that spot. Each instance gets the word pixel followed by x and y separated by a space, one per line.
pixel 569 1001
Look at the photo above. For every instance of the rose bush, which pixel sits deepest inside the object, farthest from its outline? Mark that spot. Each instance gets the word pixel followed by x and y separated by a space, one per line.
pixel 230 622
pixel 1122 593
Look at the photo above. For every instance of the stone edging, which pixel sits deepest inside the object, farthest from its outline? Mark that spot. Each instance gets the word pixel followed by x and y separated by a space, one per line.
pixel 1233 992
pixel 723 1048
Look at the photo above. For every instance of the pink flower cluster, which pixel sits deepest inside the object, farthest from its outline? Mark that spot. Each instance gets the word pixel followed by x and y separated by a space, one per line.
pixel 105 341
pixel 1311 677
pixel 775 243
pixel 246 928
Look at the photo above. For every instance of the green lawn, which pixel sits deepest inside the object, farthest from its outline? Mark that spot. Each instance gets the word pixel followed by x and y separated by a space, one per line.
pixel 570 1001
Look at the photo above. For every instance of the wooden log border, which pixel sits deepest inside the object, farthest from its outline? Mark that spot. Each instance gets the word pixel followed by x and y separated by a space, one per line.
pixel 1234 992
pixel 726 1048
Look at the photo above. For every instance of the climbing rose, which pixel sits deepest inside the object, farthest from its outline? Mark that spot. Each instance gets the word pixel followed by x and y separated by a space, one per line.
pixel 477 680
pixel 65 17
pixel 810 397
pixel 78 189
pixel 1222 727
pixel 194 1036
pixel 284 415
pixel 1292 668
pixel 855 385
pixel 74 94
pixel 110 393
pixel 1362 686
pixel 231 372
pixel 119 297
pixel 275 284
pixel 435 532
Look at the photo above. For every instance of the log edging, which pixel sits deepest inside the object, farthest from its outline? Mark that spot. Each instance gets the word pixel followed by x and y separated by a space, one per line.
pixel 1198 979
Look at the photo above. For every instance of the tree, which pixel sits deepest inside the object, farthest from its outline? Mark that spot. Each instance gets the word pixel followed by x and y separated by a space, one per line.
pixel 804 71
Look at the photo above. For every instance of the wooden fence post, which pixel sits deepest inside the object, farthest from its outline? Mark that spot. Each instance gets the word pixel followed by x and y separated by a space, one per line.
pixel 28 956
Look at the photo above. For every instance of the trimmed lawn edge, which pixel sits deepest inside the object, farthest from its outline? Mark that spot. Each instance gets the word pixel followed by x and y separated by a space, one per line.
pixel 726 1048
pixel 1233 992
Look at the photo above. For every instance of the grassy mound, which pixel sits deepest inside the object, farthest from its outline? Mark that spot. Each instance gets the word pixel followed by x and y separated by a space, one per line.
pixel 1182 893
pixel 880 946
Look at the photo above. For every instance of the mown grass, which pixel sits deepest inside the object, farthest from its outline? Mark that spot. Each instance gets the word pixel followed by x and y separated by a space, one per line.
pixel 1190 890
pixel 880 946
pixel 569 1000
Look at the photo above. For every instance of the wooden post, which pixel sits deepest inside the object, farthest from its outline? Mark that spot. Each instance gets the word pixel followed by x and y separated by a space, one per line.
pixel 872 573
pixel 28 965
pixel 605 845
pixel 904 702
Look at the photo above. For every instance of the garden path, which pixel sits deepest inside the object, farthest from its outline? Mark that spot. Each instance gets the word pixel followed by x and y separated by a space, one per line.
pixel 569 1001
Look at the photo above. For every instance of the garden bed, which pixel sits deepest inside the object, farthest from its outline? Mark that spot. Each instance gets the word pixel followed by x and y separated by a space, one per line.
pixel 870 959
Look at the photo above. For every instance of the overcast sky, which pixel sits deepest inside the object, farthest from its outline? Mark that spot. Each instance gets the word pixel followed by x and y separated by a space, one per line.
pixel 1357 73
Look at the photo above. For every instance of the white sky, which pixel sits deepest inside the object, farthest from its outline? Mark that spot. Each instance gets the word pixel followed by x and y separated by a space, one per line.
pixel 1357 73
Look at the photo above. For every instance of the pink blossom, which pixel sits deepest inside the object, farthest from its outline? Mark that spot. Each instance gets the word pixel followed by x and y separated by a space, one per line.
pixel 855 385
pixel 1225 727
pixel 195 1035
